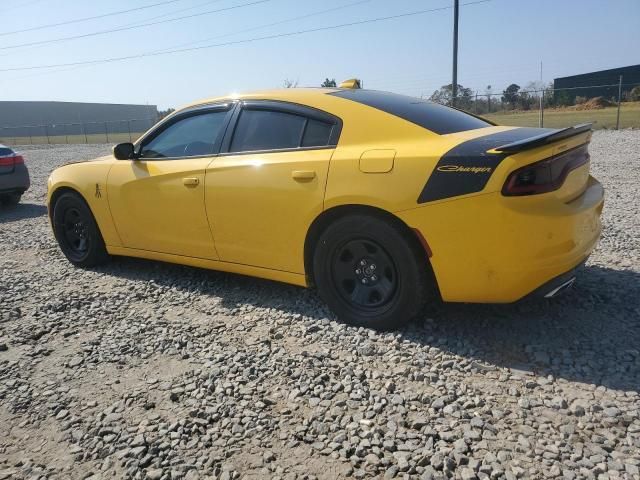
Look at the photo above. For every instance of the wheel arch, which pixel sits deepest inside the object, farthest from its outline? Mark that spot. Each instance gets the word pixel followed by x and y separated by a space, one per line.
pixel 61 190
pixel 322 221
pixel 102 217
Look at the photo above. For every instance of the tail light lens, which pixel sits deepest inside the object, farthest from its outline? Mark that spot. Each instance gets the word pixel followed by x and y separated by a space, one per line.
pixel 11 160
pixel 545 176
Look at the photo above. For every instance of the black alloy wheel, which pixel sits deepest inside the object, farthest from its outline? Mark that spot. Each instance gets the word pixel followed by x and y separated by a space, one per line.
pixel 77 232
pixel 364 273
pixel 371 272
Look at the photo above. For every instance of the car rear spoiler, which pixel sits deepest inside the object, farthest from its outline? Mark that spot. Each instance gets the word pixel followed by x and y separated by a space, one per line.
pixel 543 139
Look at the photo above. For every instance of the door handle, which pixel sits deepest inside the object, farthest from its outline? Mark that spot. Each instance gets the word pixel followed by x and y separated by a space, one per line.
pixel 303 174
pixel 190 181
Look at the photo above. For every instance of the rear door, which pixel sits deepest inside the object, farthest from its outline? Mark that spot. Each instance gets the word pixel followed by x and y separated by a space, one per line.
pixel 267 185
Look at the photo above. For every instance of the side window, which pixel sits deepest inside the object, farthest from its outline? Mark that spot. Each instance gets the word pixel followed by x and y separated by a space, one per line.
pixel 316 134
pixel 189 137
pixel 267 130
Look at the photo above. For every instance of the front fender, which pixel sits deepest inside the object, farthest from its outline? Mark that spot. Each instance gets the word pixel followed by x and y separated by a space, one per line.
pixel 89 180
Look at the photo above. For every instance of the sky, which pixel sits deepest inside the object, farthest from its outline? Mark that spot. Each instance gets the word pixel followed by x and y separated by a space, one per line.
pixel 500 42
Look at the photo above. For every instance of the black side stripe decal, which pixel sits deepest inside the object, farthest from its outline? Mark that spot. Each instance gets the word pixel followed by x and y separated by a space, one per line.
pixel 467 167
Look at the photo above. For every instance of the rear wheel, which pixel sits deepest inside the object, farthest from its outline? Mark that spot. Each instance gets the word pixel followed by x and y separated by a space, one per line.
pixel 370 273
pixel 10 199
pixel 77 232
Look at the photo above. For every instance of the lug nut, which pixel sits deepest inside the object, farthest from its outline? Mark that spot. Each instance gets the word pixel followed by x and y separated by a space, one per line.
pixel 364 280
pixel 358 271
pixel 373 266
pixel 374 278
pixel 363 262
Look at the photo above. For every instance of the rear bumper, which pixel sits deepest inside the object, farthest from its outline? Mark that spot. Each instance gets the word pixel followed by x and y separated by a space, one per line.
pixel 557 285
pixel 495 249
pixel 15 182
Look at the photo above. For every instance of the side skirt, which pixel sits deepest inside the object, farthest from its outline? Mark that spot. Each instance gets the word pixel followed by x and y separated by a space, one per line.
pixel 277 275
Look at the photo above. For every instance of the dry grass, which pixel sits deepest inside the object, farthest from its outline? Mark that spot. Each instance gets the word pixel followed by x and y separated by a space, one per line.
pixel 558 118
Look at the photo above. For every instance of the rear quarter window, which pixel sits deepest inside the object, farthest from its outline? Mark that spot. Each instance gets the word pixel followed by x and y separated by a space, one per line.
pixel 432 116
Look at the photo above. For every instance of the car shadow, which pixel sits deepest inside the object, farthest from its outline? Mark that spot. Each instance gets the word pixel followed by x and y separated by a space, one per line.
pixel 21 211
pixel 590 334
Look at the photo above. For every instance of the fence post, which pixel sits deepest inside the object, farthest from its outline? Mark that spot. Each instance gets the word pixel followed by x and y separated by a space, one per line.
pixel 129 128
pixel 46 132
pixel 106 131
pixel 619 100
pixel 84 131
pixel 541 119
pixel 66 134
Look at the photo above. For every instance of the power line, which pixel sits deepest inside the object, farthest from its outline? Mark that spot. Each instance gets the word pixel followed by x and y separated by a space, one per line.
pixel 257 27
pixel 86 19
pixel 167 14
pixel 267 25
pixel 237 42
pixel 132 27
pixel 174 12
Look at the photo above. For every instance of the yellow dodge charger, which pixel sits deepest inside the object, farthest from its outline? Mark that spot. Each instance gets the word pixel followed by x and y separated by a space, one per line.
pixel 381 201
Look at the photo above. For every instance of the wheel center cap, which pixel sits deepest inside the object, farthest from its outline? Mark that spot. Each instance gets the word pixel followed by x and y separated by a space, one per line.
pixel 365 271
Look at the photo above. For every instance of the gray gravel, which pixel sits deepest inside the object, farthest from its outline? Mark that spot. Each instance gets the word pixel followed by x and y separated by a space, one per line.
pixel 148 370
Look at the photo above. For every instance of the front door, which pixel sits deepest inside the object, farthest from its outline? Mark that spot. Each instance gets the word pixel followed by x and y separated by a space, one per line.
pixel 157 200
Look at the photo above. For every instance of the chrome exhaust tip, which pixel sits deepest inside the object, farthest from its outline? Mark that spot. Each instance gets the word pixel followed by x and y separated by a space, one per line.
pixel 560 288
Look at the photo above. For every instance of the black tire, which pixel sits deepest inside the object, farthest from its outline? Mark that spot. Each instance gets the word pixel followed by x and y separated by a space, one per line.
pixel 77 232
pixel 370 273
pixel 10 199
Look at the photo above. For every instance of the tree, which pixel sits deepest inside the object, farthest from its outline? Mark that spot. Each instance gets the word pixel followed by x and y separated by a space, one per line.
pixel 444 95
pixel 634 94
pixel 525 100
pixel 329 83
pixel 561 98
pixel 164 113
pixel 535 88
pixel 510 94
pixel 290 83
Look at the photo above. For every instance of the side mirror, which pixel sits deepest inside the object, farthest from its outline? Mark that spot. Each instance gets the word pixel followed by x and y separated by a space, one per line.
pixel 124 151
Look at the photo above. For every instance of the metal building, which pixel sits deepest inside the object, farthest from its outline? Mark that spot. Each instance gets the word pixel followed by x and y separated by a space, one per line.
pixel 20 119
pixel 597 83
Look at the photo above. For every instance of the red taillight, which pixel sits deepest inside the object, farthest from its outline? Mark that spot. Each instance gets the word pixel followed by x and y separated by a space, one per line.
pixel 545 176
pixel 11 161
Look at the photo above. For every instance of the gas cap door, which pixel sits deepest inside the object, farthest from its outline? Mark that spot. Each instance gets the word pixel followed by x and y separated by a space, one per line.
pixel 377 161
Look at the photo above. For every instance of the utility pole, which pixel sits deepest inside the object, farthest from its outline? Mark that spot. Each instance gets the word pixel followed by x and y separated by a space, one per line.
pixel 454 82
pixel 541 119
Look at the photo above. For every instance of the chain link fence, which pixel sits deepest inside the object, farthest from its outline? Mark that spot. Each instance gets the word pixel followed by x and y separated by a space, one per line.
pixel 74 133
pixel 611 106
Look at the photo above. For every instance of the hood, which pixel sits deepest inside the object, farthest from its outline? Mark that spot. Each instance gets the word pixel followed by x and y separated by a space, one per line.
pixel 105 159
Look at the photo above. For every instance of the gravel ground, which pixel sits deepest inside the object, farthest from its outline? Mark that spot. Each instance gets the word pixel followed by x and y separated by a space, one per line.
pixel 147 370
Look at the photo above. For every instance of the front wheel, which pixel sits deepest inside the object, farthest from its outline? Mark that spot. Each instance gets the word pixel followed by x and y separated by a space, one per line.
pixel 370 272
pixel 77 232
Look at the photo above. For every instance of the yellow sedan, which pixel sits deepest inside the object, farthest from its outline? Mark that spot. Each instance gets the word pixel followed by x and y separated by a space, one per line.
pixel 381 201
